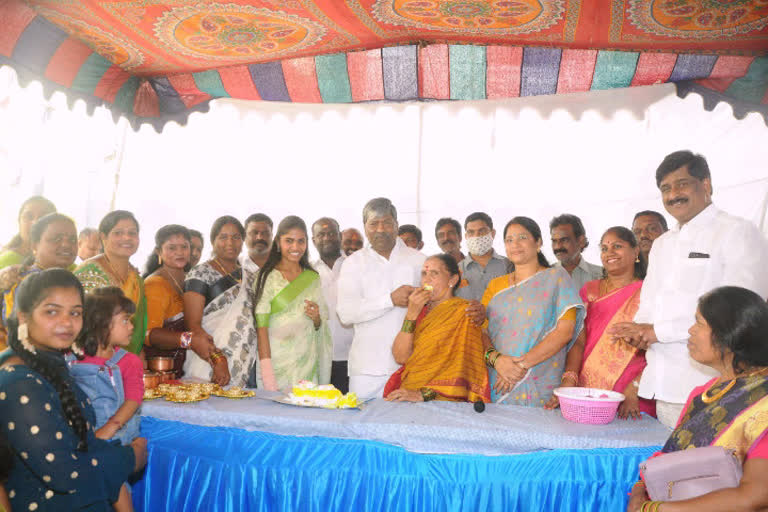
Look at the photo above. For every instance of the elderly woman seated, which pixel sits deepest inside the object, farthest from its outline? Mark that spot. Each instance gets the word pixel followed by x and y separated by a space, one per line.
pixel 729 335
pixel 440 348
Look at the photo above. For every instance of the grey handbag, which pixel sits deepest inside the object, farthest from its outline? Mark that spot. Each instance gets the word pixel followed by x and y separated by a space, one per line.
pixel 690 473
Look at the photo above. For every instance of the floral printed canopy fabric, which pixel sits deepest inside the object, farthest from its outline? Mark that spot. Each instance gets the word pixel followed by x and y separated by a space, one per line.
pixel 151 59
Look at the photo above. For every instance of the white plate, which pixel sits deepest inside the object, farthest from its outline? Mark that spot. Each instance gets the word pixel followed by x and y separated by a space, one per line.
pixel 286 401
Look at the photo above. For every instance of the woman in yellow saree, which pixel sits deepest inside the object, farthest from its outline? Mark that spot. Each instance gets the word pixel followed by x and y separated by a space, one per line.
pixel 119 232
pixel 439 346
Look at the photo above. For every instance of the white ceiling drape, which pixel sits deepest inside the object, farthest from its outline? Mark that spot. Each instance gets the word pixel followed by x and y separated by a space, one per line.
pixel 591 154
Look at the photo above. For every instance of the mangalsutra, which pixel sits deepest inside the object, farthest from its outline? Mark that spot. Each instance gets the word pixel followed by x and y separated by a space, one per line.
pixel 175 282
pixel 114 272
pixel 224 271
pixel 709 399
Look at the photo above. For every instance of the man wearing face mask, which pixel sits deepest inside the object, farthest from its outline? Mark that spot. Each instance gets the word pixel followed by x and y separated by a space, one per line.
pixel 708 248
pixel 374 286
pixel 483 263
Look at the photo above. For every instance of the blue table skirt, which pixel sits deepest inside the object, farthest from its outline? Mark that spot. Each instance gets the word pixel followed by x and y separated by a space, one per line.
pixel 197 468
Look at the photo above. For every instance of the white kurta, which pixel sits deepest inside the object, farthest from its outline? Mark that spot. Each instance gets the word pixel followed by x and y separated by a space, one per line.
pixel 365 283
pixel 341 334
pixel 737 255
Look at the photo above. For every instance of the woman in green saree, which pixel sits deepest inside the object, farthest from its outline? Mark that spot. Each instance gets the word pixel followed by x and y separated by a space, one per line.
pixel 119 232
pixel 294 342
pixel 20 248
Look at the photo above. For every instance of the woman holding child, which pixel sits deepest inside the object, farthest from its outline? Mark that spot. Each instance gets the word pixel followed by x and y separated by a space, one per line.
pixel 59 461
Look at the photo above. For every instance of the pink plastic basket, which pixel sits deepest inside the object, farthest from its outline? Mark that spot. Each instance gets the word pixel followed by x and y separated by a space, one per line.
pixel 589 405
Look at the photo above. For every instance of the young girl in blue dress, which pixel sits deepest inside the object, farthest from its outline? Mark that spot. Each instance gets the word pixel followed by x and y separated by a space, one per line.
pixel 110 375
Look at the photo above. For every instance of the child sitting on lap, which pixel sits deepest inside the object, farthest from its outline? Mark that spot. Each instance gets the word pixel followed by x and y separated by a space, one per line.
pixel 110 376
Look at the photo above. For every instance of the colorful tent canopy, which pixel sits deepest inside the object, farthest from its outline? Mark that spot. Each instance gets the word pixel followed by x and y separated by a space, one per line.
pixel 158 60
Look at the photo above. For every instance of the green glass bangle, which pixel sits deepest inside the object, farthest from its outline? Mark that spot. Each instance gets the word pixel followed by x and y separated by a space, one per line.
pixel 408 326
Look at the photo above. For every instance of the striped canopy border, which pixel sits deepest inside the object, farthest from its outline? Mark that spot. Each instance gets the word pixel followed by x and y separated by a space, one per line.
pixel 39 50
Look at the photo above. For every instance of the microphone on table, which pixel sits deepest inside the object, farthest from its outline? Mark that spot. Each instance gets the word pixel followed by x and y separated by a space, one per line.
pixel 479 406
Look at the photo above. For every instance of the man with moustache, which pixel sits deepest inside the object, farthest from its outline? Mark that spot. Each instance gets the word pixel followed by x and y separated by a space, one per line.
pixel 569 239
pixel 374 286
pixel 258 240
pixel 706 249
pixel 647 226
pixel 351 241
pixel 448 235
pixel 483 263
pixel 327 240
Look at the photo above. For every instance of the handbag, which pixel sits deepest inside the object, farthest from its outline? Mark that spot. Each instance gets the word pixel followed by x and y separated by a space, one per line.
pixel 690 473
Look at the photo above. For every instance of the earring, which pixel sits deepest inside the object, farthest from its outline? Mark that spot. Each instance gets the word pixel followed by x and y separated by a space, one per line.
pixel 159 260
pixel 23 334
pixel 637 260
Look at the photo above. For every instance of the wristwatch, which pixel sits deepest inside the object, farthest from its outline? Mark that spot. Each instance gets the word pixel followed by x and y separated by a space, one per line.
pixel 185 340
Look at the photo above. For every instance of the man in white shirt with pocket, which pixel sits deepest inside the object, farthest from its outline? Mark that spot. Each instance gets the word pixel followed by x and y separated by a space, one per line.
pixel 374 286
pixel 326 236
pixel 708 248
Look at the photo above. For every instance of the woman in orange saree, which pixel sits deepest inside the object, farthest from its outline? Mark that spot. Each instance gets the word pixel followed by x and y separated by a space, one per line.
pixel 440 348
pixel 597 360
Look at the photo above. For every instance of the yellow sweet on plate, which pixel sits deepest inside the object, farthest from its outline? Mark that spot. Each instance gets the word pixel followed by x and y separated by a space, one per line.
pixel 307 389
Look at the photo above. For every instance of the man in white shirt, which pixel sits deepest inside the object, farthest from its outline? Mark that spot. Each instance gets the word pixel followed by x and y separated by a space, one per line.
pixel 327 239
pixel 374 286
pixel 258 242
pixel 569 239
pixel 258 239
pixel 708 248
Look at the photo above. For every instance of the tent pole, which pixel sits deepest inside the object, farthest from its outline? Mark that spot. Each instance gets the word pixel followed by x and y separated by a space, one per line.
pixel 119 163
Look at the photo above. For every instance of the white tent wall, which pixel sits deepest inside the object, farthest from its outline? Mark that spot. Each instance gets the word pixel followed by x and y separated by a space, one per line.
pixel 591 154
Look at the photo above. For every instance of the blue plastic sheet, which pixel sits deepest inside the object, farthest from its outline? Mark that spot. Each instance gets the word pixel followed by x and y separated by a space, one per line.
pixel 193 468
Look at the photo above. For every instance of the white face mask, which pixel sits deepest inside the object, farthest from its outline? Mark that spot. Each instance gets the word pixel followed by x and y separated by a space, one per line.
pixel 480 245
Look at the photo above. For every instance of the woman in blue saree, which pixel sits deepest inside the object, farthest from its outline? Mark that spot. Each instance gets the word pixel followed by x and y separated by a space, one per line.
pixel 533 315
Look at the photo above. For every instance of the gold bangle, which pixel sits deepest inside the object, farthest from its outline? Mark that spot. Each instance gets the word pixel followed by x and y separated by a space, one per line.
pixel 488 352
pixel 496 358
pixel 428 394
pixel 570 374
pixel 408 326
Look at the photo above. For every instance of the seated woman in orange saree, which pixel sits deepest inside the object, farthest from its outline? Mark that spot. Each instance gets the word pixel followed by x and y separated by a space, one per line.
pixel 597 360
pixel 441 349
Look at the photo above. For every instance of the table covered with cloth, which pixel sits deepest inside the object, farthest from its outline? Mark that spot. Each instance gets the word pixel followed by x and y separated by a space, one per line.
pixel 256 454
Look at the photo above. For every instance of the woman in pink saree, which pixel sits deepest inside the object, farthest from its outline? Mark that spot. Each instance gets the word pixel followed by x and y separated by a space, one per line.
pixel 597 359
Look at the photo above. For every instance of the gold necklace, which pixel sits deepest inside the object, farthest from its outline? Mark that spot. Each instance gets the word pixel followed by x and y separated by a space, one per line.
pixel 709 399
pixel 175 282
pixel 114 272
pixel 224 270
